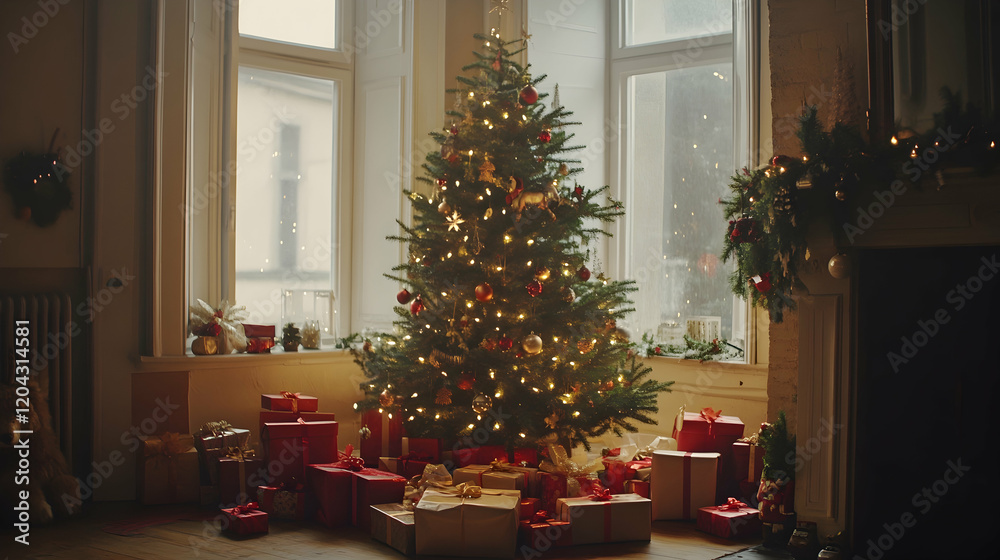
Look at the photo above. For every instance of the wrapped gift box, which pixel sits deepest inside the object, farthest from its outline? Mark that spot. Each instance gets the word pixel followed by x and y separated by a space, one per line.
pixel 682 482
pixel 614 475
pixel 502 477
pixel 422 449
pixel 694 432
pixel 275 416
pixel 386 439
pixel 640 487
pixel 482 455
pixel 450 525
pixel 259 345
pixel 168 470
pixel 213 446
pixel 345 496
pixel 282 503
pixel 542 532
pixel 258 331
pixel 735 523
pixel 406 468
pixel 553 486
pixel 393 524
pixel 289 447
pixel 292 402
pixel 528 507
pixel 246 520
pixel 239 477
pixel 525 457
pixel 625 517
pixel 639 470
pixel 748 462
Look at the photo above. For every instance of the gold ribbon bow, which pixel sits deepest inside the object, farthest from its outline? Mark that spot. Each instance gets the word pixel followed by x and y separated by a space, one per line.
pixel 294 397
pixel 560 463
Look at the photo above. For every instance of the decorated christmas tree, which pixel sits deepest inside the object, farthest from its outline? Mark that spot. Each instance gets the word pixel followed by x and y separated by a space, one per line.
pixel 502 326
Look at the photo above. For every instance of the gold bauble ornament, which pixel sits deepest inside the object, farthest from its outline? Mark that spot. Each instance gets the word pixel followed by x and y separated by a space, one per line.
pixel 543 274
pixel 839 266
pixel 481 403
pixel 444 208
pixel 563 169
pixel 532 344
pixel 386 399
pixel 585 345
pixel 840 195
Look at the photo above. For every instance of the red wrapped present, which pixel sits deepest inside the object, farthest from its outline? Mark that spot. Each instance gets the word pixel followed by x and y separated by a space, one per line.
pixel 682 482
pixel 604 518
pixel 385 439
pixel 290 447
pixel 732 520
pixel 640 487
pixel 293 402
pixel 403 466
pixel 258 331
pixel 246 520
pixel 283 502
pixel 168 470
pixel 482 455
pixel 528 507
pixel 422 449
pixel 240 473
pixel 525 457
pixel 345 491
pixel 748 461
pixel 275 416
pixel 614 475
pixel 259 345
pixel 706 431
pixel 541 532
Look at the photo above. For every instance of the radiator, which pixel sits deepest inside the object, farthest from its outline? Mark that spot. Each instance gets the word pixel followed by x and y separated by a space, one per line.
pixel 51 331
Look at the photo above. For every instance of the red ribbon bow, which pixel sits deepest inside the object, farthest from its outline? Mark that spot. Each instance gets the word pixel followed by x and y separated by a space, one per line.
pixel 245 509
pixel 601 494
pixel 354 464
pixel 616 452
pixel 732 504
pixel 710 415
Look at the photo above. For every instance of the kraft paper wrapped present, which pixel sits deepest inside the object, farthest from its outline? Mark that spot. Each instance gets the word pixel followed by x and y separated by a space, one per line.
pixel 385 439
pixel 346 489
pixel 213 440
pixel 246 520
pixel 290 447
pixel 276 416
pixel 682 482
pixel 286 502
pixel 606 518
pixel 168 470
pixel 393 524
pixel 500 476
pixel 240 473
pixel 732 520
pixel 288 401
pixel 467 521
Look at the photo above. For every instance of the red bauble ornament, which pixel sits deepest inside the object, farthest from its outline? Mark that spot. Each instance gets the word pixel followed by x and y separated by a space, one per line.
pixel 578 193
pixel 403 296
pixel 484 292
pixel 466 382
pixel 534 288
pixel 505 343
pixel 442 182
pixel 454 129
pixel 545 136
pixel 584 273
pixel 608 386
pixel 417 306
pixel 762 282
pixel 745 230
pixel 529 95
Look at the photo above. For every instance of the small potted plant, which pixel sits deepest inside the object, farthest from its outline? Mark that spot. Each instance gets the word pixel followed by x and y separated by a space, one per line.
pixel 290 338
pixel 776 493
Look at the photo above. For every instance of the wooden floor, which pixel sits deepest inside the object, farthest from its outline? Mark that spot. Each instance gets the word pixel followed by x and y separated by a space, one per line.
pixel 85 537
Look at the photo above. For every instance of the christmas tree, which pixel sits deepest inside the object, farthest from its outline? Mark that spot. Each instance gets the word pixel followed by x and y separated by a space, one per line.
pixel 501 325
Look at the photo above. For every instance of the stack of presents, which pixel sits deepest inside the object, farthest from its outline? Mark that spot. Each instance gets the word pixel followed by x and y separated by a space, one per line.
pixel 417 497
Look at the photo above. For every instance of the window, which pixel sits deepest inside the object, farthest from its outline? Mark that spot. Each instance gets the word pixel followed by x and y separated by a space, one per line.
pixel 676 91
pixel 278 87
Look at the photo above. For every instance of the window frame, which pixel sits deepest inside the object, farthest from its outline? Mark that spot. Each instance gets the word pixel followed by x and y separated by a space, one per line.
pixel 741 47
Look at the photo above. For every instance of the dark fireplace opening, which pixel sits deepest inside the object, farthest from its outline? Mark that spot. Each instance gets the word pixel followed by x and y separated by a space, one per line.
pixel 926 457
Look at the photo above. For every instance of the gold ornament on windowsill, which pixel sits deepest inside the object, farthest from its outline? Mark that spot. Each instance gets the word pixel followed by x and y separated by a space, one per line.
pixel 310 335
pixel 205 346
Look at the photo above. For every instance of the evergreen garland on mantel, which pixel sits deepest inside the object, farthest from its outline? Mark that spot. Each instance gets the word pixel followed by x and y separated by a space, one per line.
pixel 838 180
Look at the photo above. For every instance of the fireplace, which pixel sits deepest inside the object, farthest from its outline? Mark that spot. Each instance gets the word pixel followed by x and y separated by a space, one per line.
pixel 927 379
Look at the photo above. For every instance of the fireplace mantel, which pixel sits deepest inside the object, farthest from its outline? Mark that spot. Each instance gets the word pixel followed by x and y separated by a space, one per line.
pixel 964 211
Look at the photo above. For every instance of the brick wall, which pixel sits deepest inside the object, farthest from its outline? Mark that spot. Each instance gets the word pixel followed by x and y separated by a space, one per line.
pixel 804 37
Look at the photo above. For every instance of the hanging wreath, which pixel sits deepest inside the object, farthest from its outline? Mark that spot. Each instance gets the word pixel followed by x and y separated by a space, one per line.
pixel 38 185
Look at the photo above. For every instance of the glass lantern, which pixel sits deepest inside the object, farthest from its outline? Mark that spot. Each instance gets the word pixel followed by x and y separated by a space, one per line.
pixel 312 308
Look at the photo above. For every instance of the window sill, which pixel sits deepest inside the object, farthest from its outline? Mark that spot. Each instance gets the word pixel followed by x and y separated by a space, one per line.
pixel 670 361
pixel 279 358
